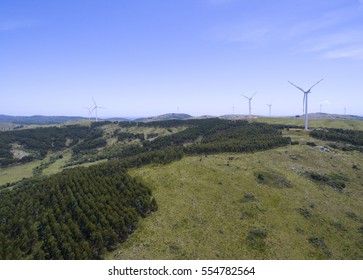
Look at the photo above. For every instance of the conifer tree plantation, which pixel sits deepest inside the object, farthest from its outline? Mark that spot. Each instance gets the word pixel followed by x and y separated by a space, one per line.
pixel 95 190
pixel 76 214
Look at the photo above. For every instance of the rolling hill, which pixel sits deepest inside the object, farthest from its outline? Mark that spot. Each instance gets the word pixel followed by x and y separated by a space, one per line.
pixel 225 189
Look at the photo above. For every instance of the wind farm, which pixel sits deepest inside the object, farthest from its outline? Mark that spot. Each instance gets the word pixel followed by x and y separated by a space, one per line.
pixel 174 130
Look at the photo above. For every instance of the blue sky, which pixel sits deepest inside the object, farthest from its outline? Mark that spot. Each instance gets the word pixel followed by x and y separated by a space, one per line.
pixel 150 57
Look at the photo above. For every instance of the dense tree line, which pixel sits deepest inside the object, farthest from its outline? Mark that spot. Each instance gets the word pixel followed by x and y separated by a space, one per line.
pixel 126 136
pixel 354 137
pixel 43 139
pixel 76 214
pixel 89 145
pixel 206 136
pixel 162 124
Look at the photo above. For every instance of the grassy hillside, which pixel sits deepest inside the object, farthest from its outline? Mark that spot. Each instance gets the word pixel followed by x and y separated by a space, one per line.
pixel 300 201
pixel 262 205
pixel 329 123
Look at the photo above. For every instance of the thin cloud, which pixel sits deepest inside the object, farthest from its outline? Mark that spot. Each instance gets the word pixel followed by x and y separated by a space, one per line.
pixel 253 33
pixel 352 53
pixel 332 37
pixel 329 20
pixel 328 42
pixel 347 44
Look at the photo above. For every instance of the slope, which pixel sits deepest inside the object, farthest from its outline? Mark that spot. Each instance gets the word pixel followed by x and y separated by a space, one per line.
pixel 261 205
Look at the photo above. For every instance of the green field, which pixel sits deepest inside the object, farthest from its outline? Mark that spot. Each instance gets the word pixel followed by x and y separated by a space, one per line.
pixel 216 208
pixel 315 123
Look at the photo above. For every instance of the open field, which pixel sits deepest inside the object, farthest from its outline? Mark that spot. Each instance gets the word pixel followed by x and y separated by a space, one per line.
pixel 15 173
pixel 215 207
pixel 315 123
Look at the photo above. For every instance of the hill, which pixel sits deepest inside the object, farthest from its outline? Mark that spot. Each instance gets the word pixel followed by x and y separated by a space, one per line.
pixel 39 119
pixel 273 204
pixel 164 117
pixel 334 116
pixel 226 189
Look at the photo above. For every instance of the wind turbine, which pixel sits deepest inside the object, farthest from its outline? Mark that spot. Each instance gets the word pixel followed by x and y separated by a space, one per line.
pixel 305 100
pixel 89 112
pixel 96 107
pixel 269 107
pixel 249 102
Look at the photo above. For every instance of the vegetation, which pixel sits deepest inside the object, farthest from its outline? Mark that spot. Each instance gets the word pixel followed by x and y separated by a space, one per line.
pixel 336 181
pixel 39 141
pixel 348 140
pixel 260 205
pixel 77 214
pixel 221 190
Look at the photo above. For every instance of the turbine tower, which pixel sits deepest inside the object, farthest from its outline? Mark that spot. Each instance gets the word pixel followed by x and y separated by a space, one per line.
pixel 249 102
pixel 96 107
pixel 269 107
pixel 89 112
pixel 305 100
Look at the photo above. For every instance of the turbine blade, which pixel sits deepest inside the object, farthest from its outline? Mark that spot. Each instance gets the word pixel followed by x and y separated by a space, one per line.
pixel 253 95
pixel 315 84
pixel 94 102
pixel 297 87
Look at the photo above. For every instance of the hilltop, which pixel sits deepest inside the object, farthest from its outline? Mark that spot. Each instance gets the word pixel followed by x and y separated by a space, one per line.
pixel 38 119
pixel 7 122
pixel 169 116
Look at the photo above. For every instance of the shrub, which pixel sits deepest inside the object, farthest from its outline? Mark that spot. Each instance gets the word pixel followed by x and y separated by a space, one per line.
pixel 317 242
pixel 304 212
pixel 256 238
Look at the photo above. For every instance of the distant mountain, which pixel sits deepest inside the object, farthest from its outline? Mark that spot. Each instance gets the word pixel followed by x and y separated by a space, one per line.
pixel 39 119
pixel 333 116
pixel 234 117
pixel 117 119
pixel 205 117
pixel 170 116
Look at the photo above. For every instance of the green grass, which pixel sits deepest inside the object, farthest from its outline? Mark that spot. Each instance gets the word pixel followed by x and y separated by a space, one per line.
pixel 17 172
pixel 57 166
pixel 315 123
pixel 216 208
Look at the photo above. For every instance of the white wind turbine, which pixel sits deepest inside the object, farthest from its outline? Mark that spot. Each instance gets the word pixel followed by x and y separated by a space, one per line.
pixel 89 112
pixel 305 100
pixel 96 107
pixel 269 107
pixel 249 102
